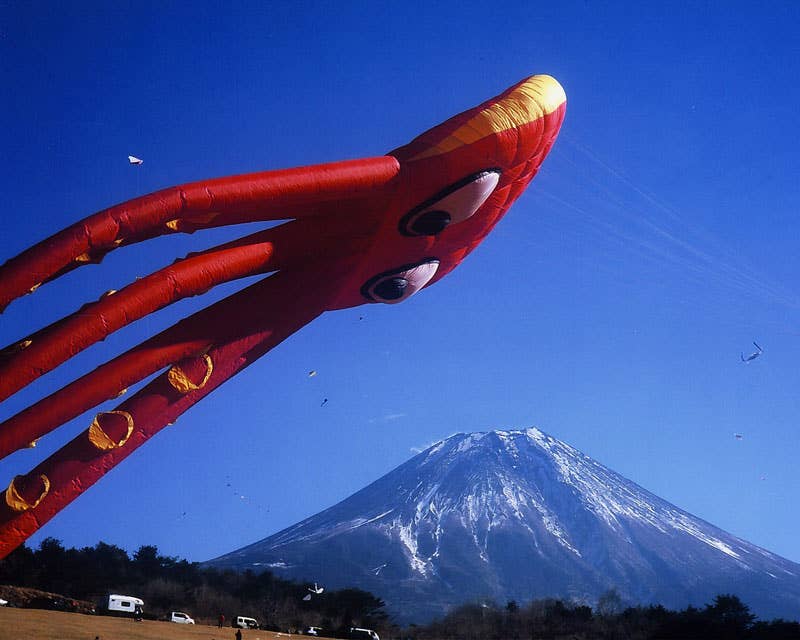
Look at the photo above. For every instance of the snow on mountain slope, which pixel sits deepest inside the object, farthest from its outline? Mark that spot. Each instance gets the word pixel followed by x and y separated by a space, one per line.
pixel 519 515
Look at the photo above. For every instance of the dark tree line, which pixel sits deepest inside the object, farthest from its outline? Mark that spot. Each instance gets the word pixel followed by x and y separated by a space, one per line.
pixel 726 618
pixel 169 584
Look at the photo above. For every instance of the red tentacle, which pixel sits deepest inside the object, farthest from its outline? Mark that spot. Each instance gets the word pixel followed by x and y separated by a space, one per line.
pixel 116 434
pixel 262 252
pixel 269 195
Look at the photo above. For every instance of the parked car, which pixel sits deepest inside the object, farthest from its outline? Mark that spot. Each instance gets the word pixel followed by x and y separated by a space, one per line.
pixel 180 617
pixel 243 622
pixel 312 631
pixel 357 633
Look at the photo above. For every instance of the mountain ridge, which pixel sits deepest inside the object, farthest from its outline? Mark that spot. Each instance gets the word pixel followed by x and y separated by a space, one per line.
pixel 518 514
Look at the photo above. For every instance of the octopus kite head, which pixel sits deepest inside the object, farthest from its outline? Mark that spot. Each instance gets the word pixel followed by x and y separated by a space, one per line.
pixel 458 179
pixel 374 230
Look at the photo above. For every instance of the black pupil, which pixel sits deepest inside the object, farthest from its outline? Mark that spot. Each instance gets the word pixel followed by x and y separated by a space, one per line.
pixel 430 223
pixel 391 288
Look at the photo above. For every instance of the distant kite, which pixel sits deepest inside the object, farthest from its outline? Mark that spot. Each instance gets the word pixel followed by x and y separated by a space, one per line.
pixel 738 436
pixel 312 373
pixel 753 355
pixel 315 591
pixel 354 232
pixel 135 160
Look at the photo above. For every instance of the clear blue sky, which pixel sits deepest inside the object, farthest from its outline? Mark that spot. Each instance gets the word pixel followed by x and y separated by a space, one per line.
pixel 608 308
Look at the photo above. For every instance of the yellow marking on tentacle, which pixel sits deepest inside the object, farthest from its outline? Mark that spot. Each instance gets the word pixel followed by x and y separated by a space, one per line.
pixel 16 347
pixel 16 502
pixel 180 381
pixel 101 439
pixel 189 219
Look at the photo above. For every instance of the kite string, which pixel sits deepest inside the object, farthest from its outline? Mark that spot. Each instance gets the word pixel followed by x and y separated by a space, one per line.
pixel 679 245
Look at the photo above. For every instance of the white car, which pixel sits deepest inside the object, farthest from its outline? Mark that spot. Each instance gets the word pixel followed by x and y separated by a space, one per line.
pixel 243 622
pixel 357 633
pixel 180 617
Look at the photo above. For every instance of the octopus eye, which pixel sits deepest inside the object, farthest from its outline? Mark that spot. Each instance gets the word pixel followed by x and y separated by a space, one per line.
pixel 429 223
pixel 454 204
pixel 399 284
pixel 391 288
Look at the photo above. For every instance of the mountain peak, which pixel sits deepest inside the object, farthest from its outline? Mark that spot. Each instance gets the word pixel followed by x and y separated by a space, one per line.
pixel 518 514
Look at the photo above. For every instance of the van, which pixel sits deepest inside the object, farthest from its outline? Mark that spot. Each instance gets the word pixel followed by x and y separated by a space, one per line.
pixel 180 617
pixel 119 605
pixel 243 622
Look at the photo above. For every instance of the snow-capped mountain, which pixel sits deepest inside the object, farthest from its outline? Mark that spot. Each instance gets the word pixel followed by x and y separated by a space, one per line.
pixel 519 515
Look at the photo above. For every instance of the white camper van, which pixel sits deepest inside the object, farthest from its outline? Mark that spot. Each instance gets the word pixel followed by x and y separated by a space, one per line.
pixel 118 605
pixel 357 633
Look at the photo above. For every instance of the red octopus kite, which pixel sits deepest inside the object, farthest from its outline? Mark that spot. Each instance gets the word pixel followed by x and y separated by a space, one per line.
pixel 359 231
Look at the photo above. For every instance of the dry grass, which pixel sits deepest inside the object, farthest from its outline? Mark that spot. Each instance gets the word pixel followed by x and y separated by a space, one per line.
pixel 34 624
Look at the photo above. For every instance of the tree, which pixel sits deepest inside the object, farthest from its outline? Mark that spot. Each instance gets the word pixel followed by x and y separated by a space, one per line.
pixel 729 616
pixel 146 562
pixel 609 603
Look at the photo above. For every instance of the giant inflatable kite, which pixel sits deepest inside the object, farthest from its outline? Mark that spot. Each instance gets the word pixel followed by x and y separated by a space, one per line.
pixel 356 232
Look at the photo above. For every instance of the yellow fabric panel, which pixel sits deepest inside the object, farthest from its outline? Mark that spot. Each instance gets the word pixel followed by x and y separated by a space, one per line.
pixel 180 381
pixel 101 439
pixel 17 502
pixel 532 99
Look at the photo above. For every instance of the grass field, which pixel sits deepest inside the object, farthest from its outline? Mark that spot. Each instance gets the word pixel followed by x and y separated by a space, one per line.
pixel 35 624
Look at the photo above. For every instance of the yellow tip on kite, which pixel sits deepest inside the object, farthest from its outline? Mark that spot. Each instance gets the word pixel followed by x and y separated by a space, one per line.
pixel 527 102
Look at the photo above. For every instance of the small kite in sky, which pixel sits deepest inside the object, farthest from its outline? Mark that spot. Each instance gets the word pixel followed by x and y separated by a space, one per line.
pixel 315 590
pixel 324 402
pixel 738 436
pixel 312 373
pixel 753 355
pixel 135 160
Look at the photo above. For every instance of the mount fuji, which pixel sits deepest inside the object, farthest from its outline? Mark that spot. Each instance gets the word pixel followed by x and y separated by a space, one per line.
pixel 518 515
